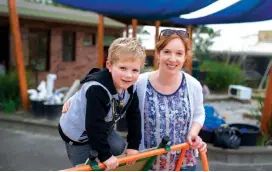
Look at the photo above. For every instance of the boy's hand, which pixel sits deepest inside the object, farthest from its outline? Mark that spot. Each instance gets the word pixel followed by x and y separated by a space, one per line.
pixel 111 163
pixel 66 106
pixel 131 152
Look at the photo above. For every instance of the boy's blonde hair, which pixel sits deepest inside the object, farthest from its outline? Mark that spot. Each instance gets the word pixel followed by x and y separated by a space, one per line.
pixel 126 46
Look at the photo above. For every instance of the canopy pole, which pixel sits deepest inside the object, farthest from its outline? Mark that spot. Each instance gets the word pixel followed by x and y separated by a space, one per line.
pixel 127 30
pixel 266 73
pixel 155 60
pixel 267 109
pixel 16 35
pixel 100 42
pixel 189 61
pixel 134 27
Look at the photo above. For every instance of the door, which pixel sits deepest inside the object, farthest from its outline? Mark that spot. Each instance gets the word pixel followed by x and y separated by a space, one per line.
pixel 4 44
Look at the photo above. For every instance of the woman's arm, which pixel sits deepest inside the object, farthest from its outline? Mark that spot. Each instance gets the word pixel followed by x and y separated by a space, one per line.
pixel 195 129
pixel 198 120
pixel 198 110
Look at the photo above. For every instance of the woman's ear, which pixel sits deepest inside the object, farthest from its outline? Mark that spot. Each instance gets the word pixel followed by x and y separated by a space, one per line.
pixel 109 66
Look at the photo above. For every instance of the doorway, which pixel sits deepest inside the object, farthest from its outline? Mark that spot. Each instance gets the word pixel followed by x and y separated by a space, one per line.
pixel 4 44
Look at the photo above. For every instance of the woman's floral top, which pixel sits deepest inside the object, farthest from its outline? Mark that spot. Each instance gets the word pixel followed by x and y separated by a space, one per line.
pixel 167 115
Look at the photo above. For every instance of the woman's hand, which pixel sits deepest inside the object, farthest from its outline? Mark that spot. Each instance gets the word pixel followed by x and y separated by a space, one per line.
pixel 197 143
pixel 66 106
pixel 131 152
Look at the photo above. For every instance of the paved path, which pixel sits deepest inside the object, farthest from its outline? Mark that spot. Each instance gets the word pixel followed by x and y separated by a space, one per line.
pixel 28 149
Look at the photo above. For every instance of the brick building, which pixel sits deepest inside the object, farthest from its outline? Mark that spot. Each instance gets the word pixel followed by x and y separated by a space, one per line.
pixel 55 40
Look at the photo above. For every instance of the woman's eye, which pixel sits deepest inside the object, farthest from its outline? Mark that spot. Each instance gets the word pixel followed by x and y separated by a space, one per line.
pixel 166 52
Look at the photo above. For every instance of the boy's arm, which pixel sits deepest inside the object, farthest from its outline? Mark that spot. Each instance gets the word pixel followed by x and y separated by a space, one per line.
pixel 133 117
pixel 96 127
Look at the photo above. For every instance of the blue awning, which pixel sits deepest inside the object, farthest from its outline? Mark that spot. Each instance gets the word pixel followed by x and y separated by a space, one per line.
pixel 240 12
pixel 139 9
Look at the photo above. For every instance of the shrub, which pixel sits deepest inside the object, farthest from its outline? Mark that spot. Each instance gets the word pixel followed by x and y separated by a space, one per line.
pixel 9 86
pixel 10 91
pixel 220 75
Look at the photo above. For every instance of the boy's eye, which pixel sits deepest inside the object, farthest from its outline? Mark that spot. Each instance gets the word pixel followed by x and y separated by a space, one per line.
pixel 135 70
pixel 123 68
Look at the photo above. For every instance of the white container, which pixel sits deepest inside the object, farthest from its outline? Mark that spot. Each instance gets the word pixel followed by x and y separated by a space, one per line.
pixel 240 92
pixel 50 83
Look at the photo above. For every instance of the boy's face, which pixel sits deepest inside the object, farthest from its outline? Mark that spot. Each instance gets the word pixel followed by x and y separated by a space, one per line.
pixel 125 72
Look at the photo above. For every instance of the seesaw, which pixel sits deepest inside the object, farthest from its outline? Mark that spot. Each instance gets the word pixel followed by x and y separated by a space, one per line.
pixel 144 159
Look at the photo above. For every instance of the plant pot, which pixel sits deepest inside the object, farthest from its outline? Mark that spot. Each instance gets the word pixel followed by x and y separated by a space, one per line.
pixel 37 108
pixel 122 125
pixel 52 111
pixel 249 134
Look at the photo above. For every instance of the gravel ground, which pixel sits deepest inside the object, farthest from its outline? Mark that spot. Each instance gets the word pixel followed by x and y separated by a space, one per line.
pixel 233 110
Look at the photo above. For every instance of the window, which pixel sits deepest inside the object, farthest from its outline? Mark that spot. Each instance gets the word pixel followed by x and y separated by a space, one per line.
pixel 89 39
pixel 39 49
pixel 68 46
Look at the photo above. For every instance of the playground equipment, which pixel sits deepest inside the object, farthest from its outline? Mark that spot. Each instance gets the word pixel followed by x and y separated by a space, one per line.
pixel 144 160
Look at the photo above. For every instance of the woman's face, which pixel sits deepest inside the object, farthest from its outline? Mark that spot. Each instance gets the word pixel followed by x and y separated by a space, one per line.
pixel 172 56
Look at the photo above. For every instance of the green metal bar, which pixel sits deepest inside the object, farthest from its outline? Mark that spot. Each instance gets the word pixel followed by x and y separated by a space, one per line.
pixel 151 160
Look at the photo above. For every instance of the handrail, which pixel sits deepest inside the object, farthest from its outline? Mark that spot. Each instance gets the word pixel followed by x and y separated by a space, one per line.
pixel 125 159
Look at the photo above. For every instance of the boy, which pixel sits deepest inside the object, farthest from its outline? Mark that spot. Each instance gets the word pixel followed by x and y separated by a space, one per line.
pixel 105 97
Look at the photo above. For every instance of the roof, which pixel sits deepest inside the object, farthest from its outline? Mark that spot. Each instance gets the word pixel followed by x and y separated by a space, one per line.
pixel 150 10
pixel 247 46
pixel 146 12
pixel 57 14
pixel 258 49
pixel 239 12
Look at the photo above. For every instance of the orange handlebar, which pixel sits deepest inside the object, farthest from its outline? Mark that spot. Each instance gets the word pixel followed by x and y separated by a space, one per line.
pixel 147 154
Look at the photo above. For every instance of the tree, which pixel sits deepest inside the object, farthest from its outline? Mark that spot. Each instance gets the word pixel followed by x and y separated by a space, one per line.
pixel 202 40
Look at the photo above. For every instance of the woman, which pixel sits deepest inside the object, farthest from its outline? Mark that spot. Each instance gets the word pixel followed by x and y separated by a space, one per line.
pixel 171 101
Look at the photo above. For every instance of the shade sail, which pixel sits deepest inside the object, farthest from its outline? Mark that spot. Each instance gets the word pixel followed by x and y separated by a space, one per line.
pixel 139 9
pixel 240 12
